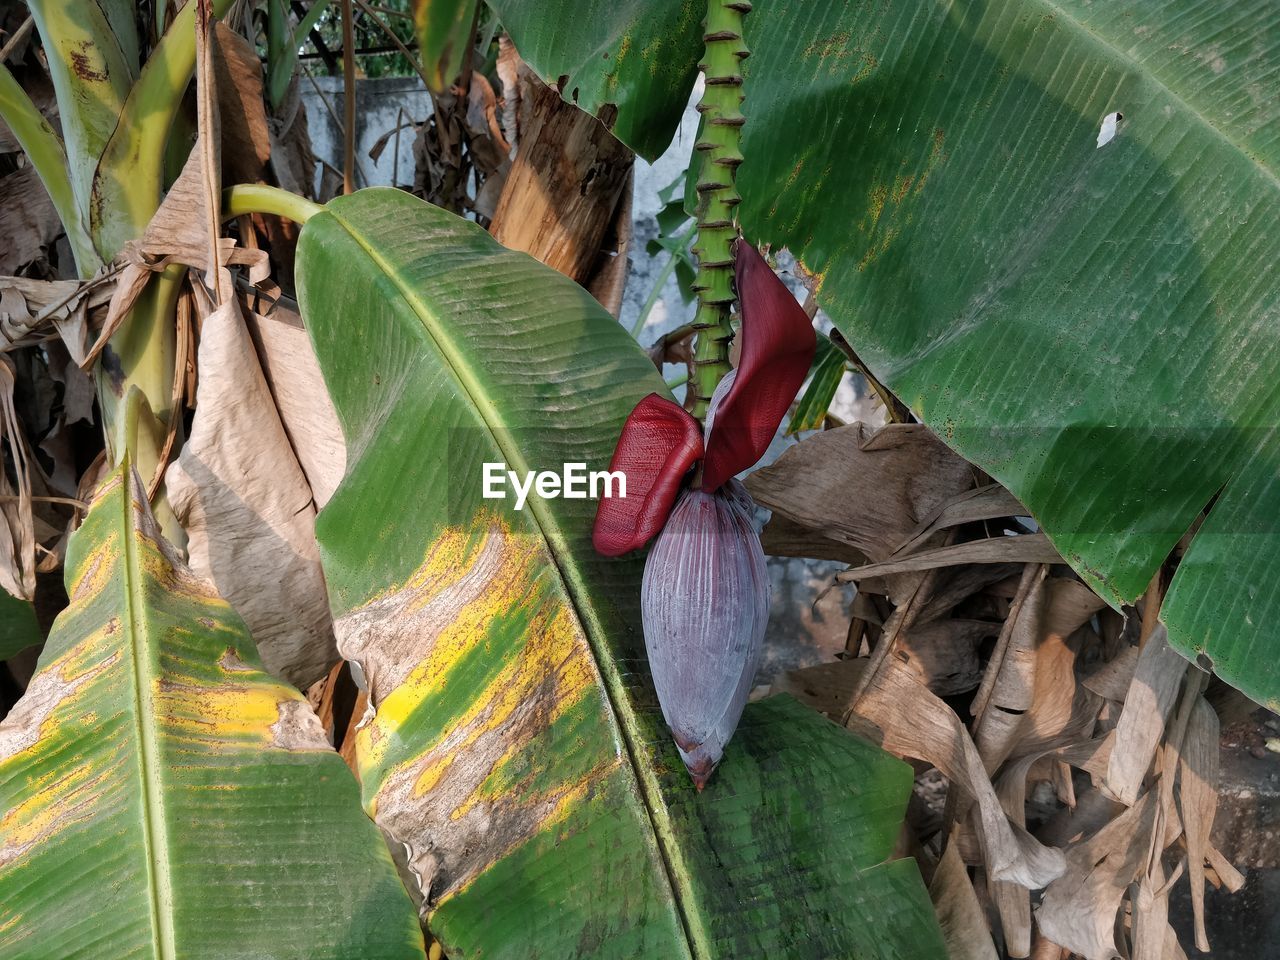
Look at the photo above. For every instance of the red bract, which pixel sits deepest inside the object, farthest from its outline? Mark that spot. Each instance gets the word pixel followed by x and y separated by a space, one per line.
pixel 659 443
pixel 778 344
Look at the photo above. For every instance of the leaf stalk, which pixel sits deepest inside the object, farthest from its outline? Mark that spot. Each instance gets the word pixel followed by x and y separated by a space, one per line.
pixel 247 198
pixel 44 149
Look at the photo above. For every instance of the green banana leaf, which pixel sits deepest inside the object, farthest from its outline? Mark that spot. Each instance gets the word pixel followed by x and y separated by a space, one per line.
pixel 630 62
pixel 90 70
pixel 516 753
pixel 162 796
pixel 824 380
pixel 1094 326
pixel 444 29
pixel 18 626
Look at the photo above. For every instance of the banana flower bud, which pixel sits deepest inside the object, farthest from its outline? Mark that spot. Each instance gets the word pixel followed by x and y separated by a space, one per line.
pixel 705 595
pixel 704 603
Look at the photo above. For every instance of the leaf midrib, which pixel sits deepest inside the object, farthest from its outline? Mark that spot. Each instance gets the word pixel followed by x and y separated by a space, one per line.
pixel 154 825
pixel 660 823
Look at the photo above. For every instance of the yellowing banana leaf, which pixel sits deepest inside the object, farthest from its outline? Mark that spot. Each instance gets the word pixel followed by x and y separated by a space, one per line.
pixel 162 796
pixel 1082 304
pixel 516 750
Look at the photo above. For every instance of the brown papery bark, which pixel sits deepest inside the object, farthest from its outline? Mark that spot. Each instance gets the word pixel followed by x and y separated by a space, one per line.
pixel 565 184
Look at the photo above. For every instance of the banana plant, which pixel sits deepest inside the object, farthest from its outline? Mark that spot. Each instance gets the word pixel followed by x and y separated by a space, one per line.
pixel 515 750
pixel 1064 303
pixel 162 794
pixel 118 97
pixel 514 753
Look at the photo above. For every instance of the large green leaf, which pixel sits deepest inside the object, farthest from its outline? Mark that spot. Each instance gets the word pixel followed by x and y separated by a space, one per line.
pixel 516 750
pixel 629 62
pixel 161 796
pixel 1096 327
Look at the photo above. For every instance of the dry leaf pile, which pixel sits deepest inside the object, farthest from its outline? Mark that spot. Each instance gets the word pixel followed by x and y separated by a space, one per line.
pixel 1077 754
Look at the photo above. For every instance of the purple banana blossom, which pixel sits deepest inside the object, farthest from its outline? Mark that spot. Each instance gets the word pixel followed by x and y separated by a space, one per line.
pixel 704 603
pixel 705 595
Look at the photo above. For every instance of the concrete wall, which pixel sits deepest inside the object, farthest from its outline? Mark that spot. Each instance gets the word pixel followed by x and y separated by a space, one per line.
pixel 380 105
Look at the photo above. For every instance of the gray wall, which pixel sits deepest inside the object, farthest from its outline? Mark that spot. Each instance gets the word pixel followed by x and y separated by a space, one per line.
pixel 380 106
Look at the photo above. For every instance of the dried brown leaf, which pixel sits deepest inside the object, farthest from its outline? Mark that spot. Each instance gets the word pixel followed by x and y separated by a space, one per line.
pixel 944 653
pixel 70 305
pixel 675 346
pixel 950 585
pixel 1148 703
pixel 28 220
pixel 175 235
pixel 984 503
pixel 1013 659
pixel 1036 704
pixel 248 509
pixel 77 389
pixel 1151 930
pixel 1227 874
pixel 243 127
pixel 865 488
pixel 1198 803
pixel 293 164
pixel 1079 908
pixel 1092 812
pixel 918 724
pixel 289 364
pixel 964 926
pixel 1026 548
pixel 1013 902
pixel 1111 680
pixel 17 531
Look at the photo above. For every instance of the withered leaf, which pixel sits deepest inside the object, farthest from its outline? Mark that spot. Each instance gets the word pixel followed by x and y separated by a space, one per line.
pixel 1152 694
pixel 247 507
pixel 1025 548
pixel 964 926
pixel 919 725
pixel 288 362
pixel 866 488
